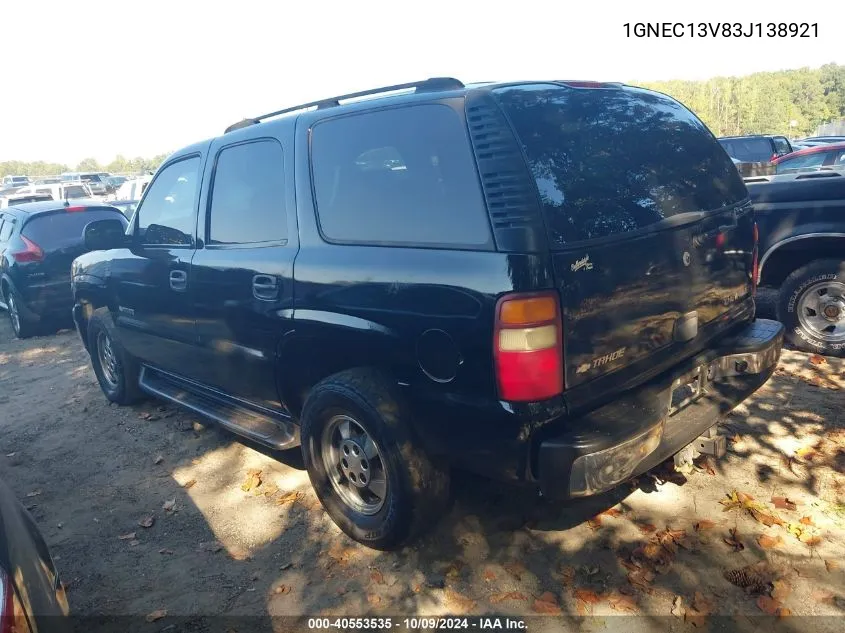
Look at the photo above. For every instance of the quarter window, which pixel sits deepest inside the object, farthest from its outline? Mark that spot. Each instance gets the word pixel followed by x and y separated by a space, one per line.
pixel 403 176
pixel 248 197
pixel 168 213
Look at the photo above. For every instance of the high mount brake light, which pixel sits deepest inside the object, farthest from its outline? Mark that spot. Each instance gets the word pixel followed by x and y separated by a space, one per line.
pixel 528 347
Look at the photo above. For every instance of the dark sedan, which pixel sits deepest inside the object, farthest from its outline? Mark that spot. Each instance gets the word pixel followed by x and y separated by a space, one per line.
pixel 32 598
pixel 38 242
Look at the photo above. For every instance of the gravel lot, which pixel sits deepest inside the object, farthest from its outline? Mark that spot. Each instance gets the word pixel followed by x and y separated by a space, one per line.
pixel 226 539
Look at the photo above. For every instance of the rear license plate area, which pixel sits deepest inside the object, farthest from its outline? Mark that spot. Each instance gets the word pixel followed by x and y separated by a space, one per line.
pixel 687 389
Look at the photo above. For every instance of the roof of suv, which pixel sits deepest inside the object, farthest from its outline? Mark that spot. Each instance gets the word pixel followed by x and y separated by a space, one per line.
pixel 33 208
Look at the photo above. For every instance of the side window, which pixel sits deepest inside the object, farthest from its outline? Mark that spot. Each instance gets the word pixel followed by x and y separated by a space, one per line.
pixel 6 228
pixel 839 159
pixel 781 145
pixel 801 162
pixel 168 214
pixel 403 176
pixel 247 197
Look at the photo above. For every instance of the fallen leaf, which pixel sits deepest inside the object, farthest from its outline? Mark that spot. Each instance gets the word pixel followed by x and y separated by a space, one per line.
pixel 158 614
pixel 733 540
pixel 34 493
pixel 134 543
pixel 768 542
pixel 515 569
pixel 377 577
pixel 795 529
pixel 765 518
pixel 678 607
pixel 704 524
pixel 594 523
pixel 806 521
pixel 147 521
pixel 511 595
pixel 164 550
pixel 489 576
pixel 268 490
pixel 768 605
pixel 567 575
pixel 169 506
pixel 784 612
pixel 810 541
pixel 252 481
pixel 744 497
pixel 815 359
pixel 695 618
pixel 783 503
pixel 701 604
pixel 612 512
pixel 587 595
pixel 547 604
pixel 583 608
pixel 459 601
pixel 831 565
pixel 11 454
pixel 189 484
pixel 646 528
pixel 127 537
pixel 807 452
pixel 373 599
pixel 781 590
pixel 641 579
pixel 283 589
pixel 622 602
pixel 158 460
pixel 289 497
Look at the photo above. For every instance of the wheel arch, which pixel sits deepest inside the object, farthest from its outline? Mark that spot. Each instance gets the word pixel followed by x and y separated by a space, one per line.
pixel 793 252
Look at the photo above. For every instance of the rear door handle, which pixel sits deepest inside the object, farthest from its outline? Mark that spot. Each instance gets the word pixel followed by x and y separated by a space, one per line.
pixel 265 287
pixel 178 280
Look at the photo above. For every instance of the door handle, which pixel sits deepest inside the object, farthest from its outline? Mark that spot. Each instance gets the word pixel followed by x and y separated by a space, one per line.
pixel 265 287
pixel 178 280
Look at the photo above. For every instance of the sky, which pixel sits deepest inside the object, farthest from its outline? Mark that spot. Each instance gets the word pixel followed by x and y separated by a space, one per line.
pixel 144 77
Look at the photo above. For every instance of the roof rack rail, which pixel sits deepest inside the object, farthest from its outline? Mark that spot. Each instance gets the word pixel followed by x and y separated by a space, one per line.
pixel 432 84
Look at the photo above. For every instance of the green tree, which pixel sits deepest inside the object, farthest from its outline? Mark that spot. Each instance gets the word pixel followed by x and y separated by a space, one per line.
pixel 89 164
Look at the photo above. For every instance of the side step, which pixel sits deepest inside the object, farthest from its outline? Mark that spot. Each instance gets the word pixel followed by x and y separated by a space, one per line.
pixel 267 427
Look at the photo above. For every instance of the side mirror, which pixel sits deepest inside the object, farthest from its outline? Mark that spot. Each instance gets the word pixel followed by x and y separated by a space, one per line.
pixel 103 235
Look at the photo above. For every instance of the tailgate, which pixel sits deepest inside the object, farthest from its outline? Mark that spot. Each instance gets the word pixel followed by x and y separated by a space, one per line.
pixel 648 220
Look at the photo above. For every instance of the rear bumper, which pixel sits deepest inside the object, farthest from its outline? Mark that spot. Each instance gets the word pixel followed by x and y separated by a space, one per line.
pixel 638 431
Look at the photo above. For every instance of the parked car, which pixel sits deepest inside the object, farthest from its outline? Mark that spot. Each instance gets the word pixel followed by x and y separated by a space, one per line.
pixel 113 183
pixel 802 227
pixel 32 597
pixel 133 188
pixel 38 242
pixel 15 181
pixel 60 190
pixel 21 198
pixel 824 156
pixel 823 139
pixel 559 269
pixel 756 148
pixel 94 180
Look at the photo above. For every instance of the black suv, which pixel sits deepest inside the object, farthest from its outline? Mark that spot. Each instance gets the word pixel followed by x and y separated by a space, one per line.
pixel 528 280
pixel 756 148
pixel 38 242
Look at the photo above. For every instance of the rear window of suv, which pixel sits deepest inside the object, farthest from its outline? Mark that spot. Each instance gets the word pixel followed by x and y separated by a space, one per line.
pixel 63 229
pixel 401 177
pixel 613 160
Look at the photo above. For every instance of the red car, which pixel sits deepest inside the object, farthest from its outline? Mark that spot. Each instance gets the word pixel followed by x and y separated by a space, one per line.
pixel 829 156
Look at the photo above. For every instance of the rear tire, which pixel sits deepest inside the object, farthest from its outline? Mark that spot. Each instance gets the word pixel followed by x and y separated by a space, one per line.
pixel 116 370
pixel 811 305
pixel 20 326
pixel 407 491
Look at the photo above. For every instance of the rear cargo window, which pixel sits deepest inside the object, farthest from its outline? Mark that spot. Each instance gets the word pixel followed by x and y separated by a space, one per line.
pixel 608 161
pixel 749 150
pixel 402 176
pixel 61 229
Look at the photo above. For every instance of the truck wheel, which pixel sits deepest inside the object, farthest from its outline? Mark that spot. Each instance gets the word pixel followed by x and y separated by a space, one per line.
pixel 116 371
pixel 20 326
pixel 811 306
pixel 367 468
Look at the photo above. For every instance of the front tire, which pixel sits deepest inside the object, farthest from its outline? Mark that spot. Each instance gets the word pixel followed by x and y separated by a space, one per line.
pixel 365 464
pixel 116 371
pixel 811 306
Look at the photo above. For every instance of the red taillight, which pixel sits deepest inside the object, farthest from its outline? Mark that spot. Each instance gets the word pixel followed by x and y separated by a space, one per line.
pixel 12 617
pixel 754 264
pixel 33 252
pixel 528 347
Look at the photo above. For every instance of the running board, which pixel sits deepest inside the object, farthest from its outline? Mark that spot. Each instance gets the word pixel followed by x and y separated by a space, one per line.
pixel 268 428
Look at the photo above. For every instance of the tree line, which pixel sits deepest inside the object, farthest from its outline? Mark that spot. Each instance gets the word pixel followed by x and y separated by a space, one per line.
pixel 789 102
pixel 120 165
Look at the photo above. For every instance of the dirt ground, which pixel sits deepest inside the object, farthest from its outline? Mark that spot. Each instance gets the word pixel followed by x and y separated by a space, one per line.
pixel 146 510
